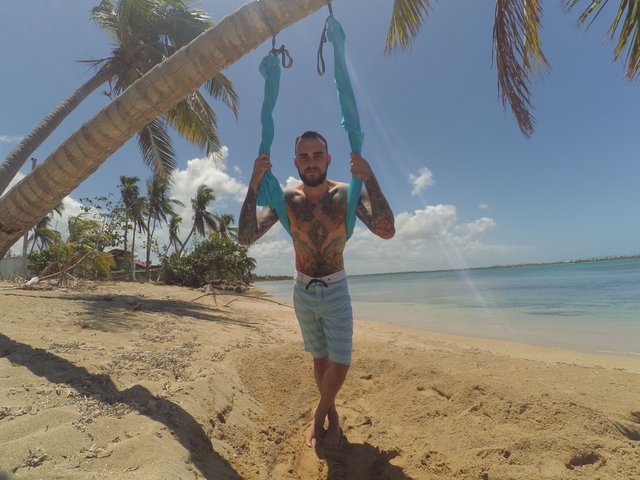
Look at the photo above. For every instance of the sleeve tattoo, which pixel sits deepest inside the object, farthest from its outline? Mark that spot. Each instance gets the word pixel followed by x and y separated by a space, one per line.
pixel 374 210
pixel 254 225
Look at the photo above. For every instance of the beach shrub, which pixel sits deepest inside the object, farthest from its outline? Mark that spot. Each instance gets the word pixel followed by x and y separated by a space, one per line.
pixel 37 261
pixel 215 259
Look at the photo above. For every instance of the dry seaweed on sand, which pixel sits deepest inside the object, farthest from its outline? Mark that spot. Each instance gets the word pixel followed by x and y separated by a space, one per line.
pixel 36 457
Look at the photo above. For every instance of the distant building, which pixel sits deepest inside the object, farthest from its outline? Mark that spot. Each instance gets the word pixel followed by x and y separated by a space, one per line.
pixel 11 266
pixel 123 259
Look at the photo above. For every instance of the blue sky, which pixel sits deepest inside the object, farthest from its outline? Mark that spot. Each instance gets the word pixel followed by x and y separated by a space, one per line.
pixel 466 187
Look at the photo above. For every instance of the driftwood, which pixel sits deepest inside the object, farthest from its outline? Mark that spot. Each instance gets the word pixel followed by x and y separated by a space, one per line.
pixel 241 295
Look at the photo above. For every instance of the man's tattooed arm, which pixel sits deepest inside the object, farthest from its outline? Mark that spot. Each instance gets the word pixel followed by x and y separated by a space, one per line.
pixel 373 208
pixel 253 225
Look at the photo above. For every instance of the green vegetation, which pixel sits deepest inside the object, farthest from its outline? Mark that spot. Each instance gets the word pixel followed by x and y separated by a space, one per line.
pixel 99 237
pixel 215 259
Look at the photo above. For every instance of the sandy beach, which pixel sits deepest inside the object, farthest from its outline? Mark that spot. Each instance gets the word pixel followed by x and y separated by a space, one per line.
pixel 120 381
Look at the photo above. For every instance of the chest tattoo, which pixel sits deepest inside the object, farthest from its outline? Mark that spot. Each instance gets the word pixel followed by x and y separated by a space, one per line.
pixel 331 206
pixel 302 210
pixel 318 233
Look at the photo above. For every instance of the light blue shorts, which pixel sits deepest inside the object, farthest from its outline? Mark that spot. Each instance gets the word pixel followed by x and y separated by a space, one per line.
pixel 325 317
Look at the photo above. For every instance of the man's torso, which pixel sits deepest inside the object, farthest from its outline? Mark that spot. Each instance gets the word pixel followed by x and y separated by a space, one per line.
pixel 318 229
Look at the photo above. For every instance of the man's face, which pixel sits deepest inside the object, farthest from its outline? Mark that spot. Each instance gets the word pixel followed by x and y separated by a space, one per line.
pixel 312 161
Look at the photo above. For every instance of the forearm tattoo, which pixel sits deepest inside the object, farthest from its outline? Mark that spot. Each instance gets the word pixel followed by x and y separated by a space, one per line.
pixel 374 211
pixel 253 225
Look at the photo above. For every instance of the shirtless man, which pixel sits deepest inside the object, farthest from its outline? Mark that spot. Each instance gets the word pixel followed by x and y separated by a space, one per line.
pixel 317 217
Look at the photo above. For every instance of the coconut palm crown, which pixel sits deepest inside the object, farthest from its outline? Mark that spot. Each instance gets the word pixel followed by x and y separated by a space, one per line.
pixel 203 220
pixel 145 33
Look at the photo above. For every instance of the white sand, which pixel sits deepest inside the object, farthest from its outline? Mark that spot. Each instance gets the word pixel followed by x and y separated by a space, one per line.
pixel 139 381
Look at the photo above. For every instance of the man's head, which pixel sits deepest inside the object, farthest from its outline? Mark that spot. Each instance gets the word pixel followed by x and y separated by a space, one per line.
pixel 312 158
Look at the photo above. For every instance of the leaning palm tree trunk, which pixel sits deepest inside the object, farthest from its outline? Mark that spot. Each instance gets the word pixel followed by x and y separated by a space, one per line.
pixel 184 244
pixel 161 88
pixel 16 159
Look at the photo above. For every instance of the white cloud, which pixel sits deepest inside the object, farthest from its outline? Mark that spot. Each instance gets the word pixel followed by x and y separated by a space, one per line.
pixel 421 180
pixel 61 222
pixel 212 172
pixel 483 206
pixel 10 138
pixel 475 229
pixel 292 182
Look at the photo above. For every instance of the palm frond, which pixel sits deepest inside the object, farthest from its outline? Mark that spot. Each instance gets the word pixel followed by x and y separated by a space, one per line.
pixel 58 209
pixel 221 88
pixel 407 18
pixel 593 10
pixel 135 19
pixel 146 32
pixel 195 120
pixel 626 24
pixel 104 15
pixel 181 24
pixel 202 219
pixel 156 148
pixel 159 205
pixel 534 59
pixel 82 230
pixel 518 53
pixel 136 213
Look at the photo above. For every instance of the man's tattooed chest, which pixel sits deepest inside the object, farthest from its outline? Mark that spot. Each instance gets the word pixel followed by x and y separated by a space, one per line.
pixel 328 210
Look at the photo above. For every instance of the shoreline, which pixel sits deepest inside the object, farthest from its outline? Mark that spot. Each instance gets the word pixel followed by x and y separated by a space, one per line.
pixel 627 361
pixel 118 379
pixel 615 359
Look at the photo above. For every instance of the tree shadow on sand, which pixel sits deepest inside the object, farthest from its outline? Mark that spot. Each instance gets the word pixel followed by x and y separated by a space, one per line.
pixel 360 461
pixel 120 312
pixel 100 387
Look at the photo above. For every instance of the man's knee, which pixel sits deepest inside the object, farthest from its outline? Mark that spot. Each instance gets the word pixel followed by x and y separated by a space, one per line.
pixel 340 369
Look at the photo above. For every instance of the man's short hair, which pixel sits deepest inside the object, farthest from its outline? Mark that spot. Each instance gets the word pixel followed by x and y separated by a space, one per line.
pixel 310 135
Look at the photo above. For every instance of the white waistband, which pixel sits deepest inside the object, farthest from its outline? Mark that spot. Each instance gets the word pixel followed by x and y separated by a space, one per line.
pixel 334 277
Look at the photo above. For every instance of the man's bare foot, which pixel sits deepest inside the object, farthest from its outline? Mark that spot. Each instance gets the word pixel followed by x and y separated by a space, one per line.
pixel 314 438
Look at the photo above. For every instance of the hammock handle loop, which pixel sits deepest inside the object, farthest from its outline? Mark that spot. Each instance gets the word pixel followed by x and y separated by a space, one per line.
pixel 287 59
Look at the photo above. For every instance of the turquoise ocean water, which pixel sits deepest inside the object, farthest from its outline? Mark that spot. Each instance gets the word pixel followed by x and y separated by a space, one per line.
pixel 587 306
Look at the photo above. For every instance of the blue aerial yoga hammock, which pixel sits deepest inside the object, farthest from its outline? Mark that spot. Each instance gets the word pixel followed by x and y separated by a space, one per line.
pixel 349 109
pixel 269 192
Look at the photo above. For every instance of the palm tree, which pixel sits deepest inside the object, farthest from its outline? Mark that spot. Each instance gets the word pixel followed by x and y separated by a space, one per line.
pixel 43 235
pixel 159 208
pixel 224 226
pixel 174 233
pixel 136 214
pixel 229 40
pixel 79 254
pixel 145 32
pixel 202 220
pixel 129 193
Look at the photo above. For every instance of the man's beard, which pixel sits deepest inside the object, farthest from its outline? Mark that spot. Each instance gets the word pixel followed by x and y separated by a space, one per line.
pixel 313 182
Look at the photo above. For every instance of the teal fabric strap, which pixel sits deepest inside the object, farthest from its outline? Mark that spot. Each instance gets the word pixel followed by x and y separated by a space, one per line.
pixel 350 119
pixel 269 192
